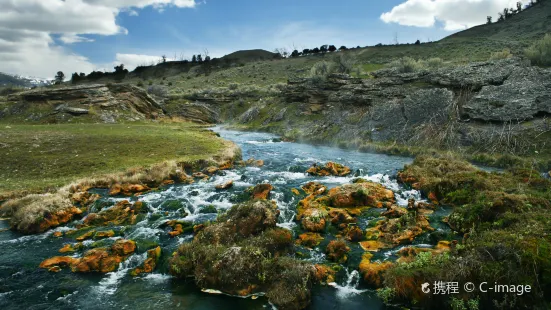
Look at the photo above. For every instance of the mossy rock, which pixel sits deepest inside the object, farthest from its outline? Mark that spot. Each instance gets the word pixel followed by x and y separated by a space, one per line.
pixel 208 209
pixel 143 245
pixel 172 205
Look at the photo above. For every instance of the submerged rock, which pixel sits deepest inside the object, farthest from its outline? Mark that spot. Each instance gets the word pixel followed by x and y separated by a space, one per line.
pixel 330 168
pixel 101 260
pixel 314 188
pixel 309 240
pixel 123 213
pixel 150 263
pixel 178 227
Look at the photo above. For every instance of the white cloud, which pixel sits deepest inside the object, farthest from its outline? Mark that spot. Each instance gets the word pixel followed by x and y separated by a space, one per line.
pixel 131 61
pixel 34 54
pixel 455 14
pixel 27 28
pixel 70 38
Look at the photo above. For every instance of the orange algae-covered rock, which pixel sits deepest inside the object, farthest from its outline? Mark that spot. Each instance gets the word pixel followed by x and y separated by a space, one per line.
pixel 372 271
pixel 337 251
pixel 262 191
pixel 360 194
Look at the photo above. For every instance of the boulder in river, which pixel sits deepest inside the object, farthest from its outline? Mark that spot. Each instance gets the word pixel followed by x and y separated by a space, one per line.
pixel 337 251
pixel 368 194
pixel 261 191
pixel 330 168
pixel 101 260
pixel 244 253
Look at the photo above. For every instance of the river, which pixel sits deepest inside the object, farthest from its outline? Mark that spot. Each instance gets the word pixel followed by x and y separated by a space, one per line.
pixel 24 286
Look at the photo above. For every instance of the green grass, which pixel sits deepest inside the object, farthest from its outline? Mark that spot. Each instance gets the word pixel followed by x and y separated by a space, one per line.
pixel 43 157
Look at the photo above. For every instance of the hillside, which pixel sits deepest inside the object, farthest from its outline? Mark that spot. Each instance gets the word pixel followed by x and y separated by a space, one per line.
pixel 531 24
pixel 11 80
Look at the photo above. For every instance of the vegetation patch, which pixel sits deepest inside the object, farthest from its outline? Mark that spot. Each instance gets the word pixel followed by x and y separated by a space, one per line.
pixel 505 221
pixel 45 157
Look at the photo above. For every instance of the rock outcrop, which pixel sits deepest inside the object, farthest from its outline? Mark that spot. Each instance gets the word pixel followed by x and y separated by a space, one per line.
pixel 103 103
pixel 202 113
pixel 450 106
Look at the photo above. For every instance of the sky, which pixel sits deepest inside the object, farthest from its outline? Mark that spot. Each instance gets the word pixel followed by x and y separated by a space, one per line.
pixel 40 37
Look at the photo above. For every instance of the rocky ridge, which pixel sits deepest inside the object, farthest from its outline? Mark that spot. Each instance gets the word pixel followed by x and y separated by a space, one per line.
pixel 103 103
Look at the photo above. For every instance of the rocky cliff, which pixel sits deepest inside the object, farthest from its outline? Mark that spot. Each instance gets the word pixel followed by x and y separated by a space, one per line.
pixel 496 105
pixel 96 102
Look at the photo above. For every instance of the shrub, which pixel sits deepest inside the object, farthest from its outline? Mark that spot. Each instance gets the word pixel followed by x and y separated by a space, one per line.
pixel 406 65
pixel 322 69
pixel 386 294
pixel 506 53
pixel 540 53
pixel 157 90
pixel 233 86
pixel 345 64
pixel 435 62
pixel 140 84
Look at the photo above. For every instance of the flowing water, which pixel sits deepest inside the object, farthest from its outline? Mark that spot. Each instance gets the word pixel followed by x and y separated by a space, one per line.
pixel 24 286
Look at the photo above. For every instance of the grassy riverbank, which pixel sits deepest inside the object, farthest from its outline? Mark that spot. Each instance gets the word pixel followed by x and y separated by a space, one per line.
pixel 38 158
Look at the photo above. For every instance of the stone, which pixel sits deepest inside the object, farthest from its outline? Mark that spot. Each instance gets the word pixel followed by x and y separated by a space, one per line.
pixel 372 245
pixel 104 234
pixel 197 112
pixel 127 189
pixel 309 240
pixel 59 261
pixel 324 274
pixel 330 168
pixel 86 236
pixel 261 191
pixel 314 188
pixel 313 220
pixel 123 213
pixel 210 170
pixel 249 115
pixel 368 194
pixel 226 185
pixel 150 263
pixel 123 247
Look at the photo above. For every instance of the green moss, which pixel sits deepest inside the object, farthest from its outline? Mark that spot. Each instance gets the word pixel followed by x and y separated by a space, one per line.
pixel 507 217
pixel 208 209
pixel 172 205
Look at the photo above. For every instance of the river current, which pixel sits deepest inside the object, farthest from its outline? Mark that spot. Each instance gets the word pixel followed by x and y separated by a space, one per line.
pixel 24 286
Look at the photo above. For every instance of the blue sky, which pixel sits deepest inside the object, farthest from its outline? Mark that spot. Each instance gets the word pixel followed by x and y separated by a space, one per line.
pixel 225 26
pixel 40 37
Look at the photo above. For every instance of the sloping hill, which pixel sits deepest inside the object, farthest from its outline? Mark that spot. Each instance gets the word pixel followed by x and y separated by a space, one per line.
pixel 9 80
pixel 250 55
pixel 531 24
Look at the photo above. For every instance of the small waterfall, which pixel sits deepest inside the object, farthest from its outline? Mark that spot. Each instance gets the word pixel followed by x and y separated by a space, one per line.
pixel 350 287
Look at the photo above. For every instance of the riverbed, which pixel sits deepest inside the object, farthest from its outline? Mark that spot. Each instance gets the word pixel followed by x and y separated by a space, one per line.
pixel 24 286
